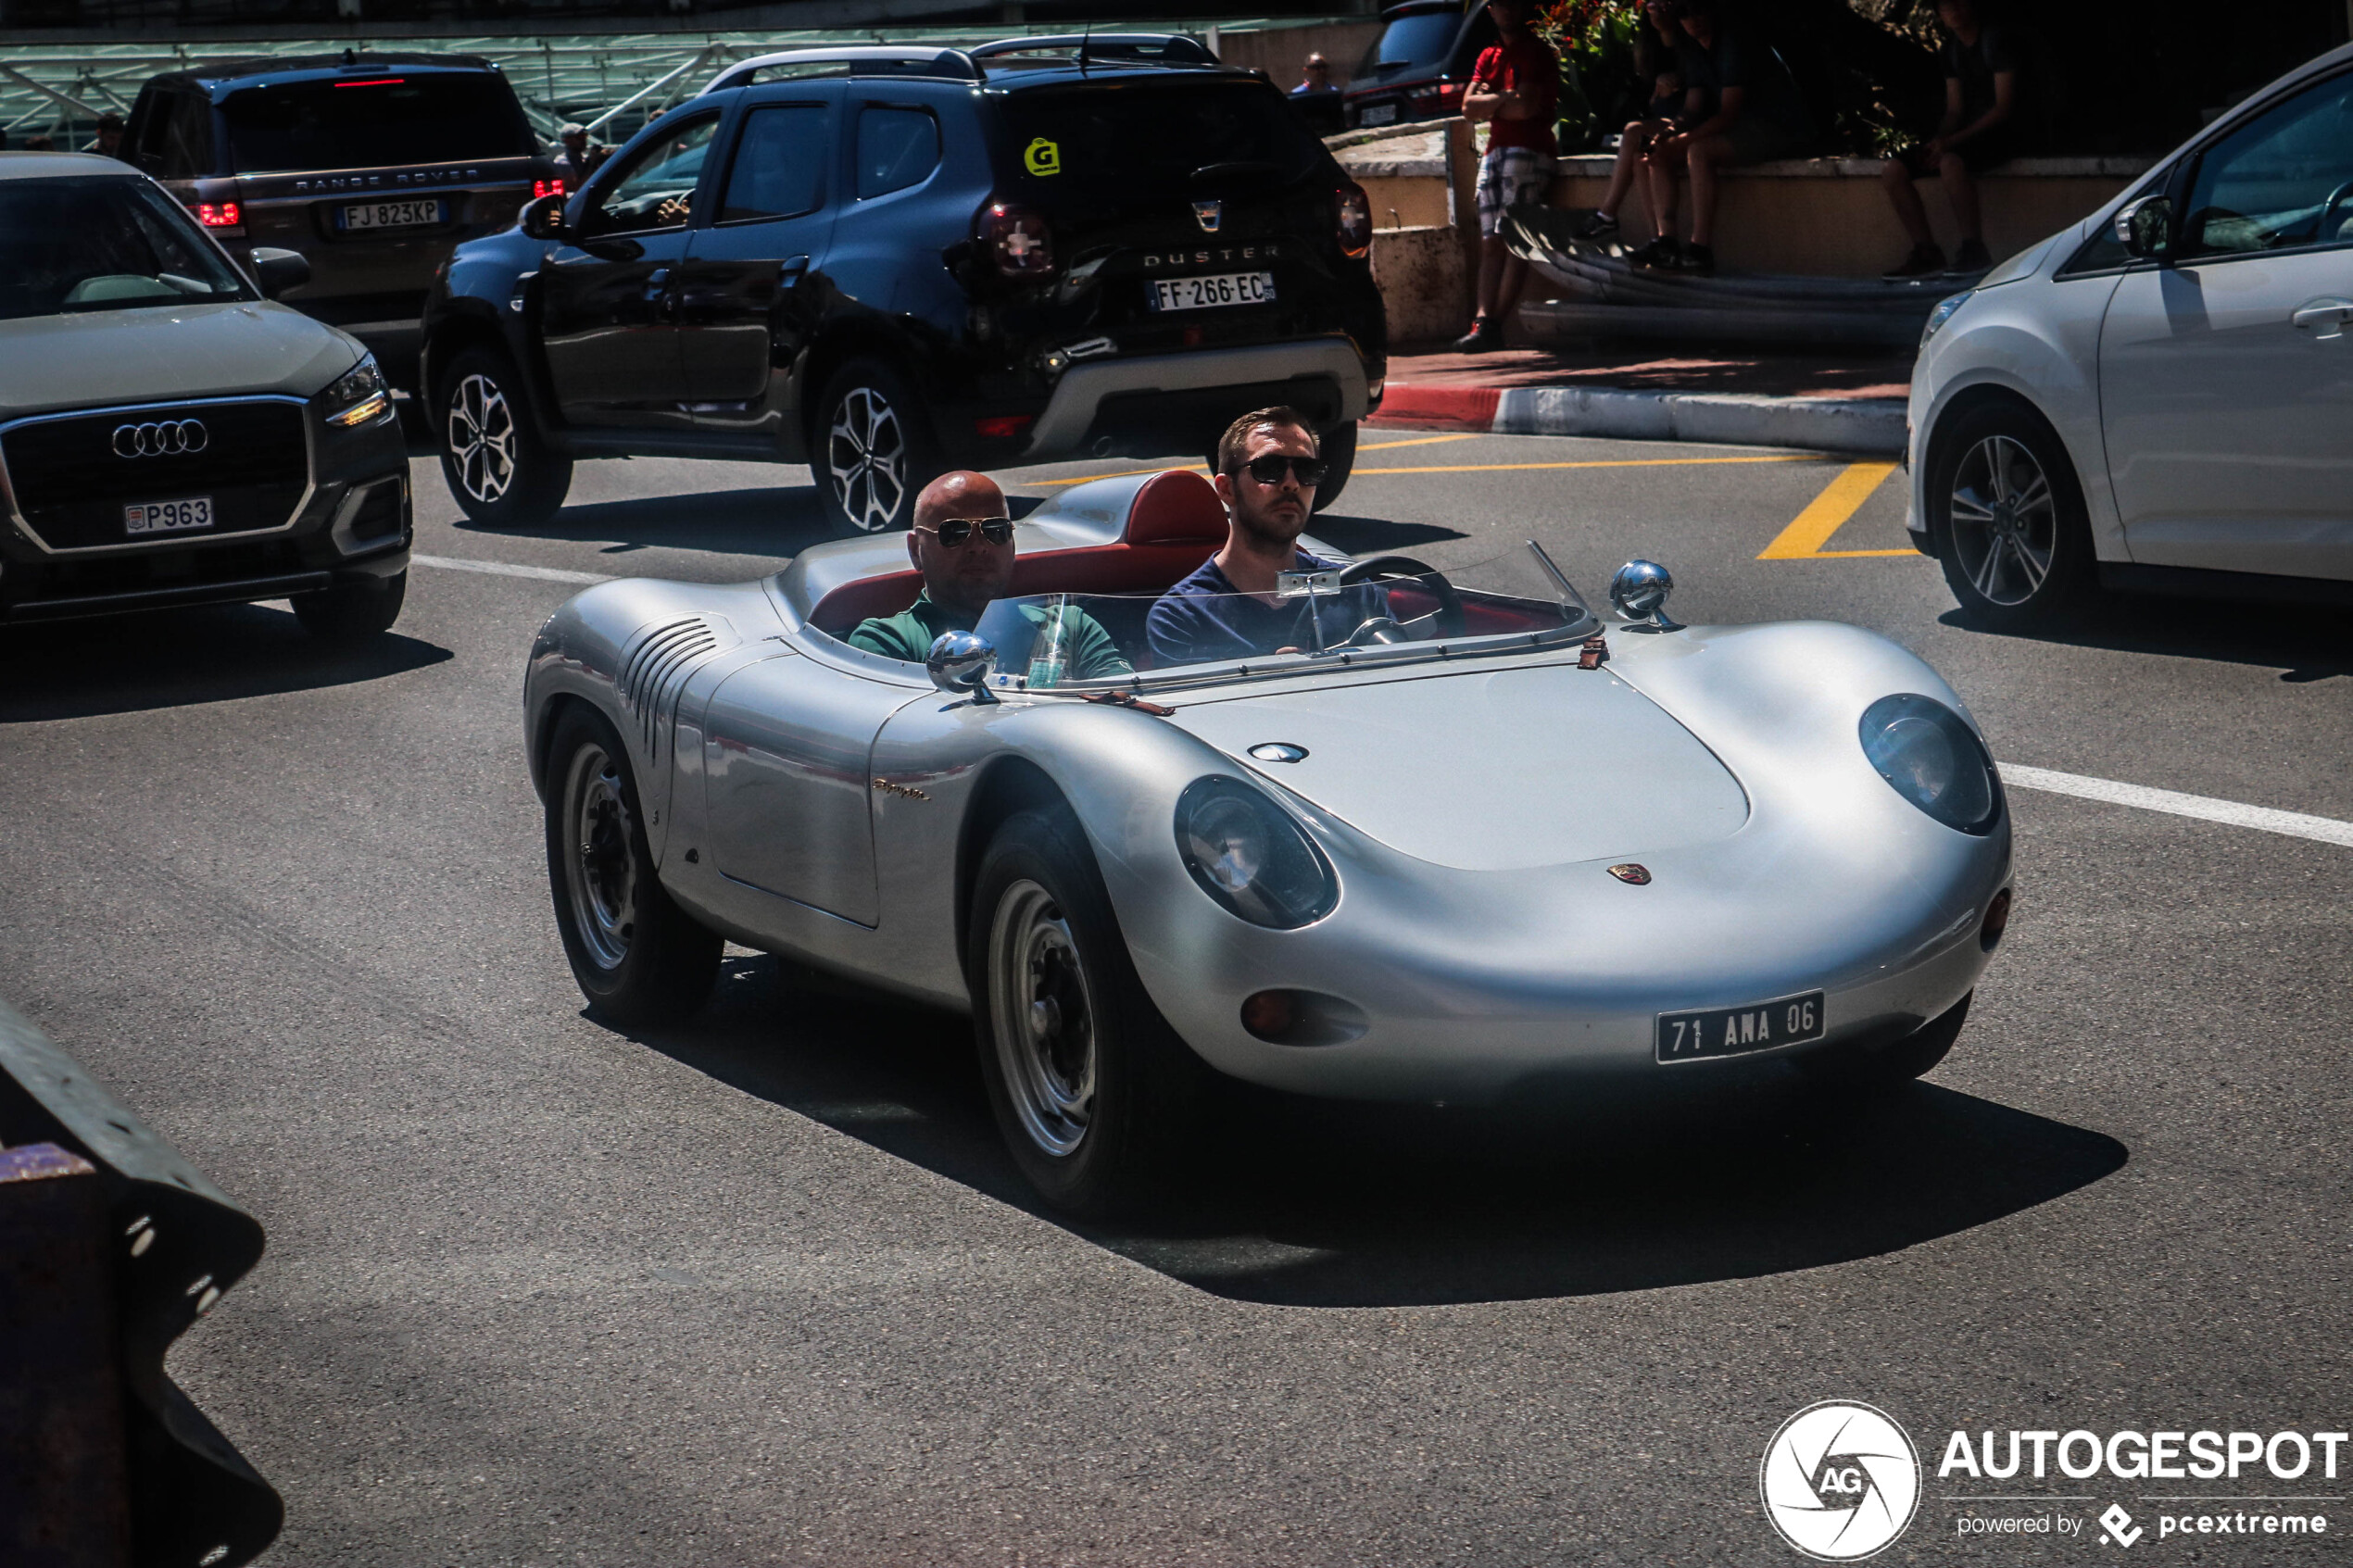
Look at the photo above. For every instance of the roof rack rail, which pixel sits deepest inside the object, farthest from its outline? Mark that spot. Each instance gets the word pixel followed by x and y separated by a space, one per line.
pixel 1153 48
pixel 859 60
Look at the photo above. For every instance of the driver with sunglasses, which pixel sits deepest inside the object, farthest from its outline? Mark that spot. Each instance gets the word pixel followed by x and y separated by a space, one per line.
pixel 1268 471
pixel 962 543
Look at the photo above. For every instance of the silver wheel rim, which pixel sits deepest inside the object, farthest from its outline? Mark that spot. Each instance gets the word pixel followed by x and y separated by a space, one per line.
pixel 481 438
pixel 1043 1018
pixel 866 459
pixel 603 880
pixel 2004 520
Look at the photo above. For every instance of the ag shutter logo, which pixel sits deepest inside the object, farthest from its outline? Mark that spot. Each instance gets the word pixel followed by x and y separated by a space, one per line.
pixel 1840 1481
pixel 2117 1525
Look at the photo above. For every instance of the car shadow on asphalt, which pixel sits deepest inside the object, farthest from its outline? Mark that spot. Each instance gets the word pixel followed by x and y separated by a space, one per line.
pixel 770 521
pixel 1302 1203
pixel 169 658
pixel 1365 535
pixel 2304 643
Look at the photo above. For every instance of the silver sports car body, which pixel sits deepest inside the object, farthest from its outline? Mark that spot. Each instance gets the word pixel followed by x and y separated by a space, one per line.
pixel 1483 844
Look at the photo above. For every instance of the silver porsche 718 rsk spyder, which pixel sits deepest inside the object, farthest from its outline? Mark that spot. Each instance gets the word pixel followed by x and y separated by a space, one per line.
pixel 1481 846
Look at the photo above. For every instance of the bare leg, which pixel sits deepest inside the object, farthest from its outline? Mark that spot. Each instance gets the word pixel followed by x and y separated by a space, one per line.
pixel 1707 153
pixel 1494 266
pixel 1961 191
pixel 1629 158
pixel 1507 289
pixel 1658 181
pixel 1904 197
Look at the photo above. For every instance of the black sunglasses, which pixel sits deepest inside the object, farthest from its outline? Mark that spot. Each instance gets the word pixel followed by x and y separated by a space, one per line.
pixel 1268 470
pixel 956 530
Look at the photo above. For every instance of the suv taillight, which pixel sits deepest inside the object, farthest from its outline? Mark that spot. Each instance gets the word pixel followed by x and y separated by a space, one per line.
pixel 1018 240
pixel 1355 221
pixel 219 214
pixel 544 188
pixel 1444 98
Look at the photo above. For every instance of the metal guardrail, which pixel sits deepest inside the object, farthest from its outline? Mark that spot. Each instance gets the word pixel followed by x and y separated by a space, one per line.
pixel 618 81
pixel 111 1246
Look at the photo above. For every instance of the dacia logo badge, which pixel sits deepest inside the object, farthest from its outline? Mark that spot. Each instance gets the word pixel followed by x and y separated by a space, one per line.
pixel 1209 215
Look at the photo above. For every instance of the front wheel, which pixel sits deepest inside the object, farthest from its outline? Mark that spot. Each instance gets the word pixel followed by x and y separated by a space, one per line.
pixel 1094 1093
pixel 875 451
pixel 499 471
pixel 354 611
pixel 1338 447
pixel 2008 520
pixel 639 958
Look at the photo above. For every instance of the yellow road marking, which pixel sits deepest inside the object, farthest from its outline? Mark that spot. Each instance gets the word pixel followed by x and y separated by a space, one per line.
pixel 1419 441
pixel 1840 499
pixel 1605 463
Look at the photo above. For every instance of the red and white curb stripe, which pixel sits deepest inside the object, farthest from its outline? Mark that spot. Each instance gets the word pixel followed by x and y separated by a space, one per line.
pixel 1871 426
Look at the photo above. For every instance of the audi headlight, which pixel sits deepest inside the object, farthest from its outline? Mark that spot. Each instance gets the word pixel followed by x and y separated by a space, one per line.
pixel 1931 757
pixel 1944 313
pixel 359 396
pixel 1248 854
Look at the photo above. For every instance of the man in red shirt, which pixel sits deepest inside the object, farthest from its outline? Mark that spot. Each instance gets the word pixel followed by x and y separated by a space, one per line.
pixel 1514 88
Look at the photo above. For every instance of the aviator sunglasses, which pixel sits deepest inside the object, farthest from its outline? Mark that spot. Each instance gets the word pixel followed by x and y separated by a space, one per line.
pixel 1268 470
pixel 956 530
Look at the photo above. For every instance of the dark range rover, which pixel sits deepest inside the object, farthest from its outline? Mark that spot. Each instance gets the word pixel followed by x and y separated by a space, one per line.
pixel 372 167
pixel 888 262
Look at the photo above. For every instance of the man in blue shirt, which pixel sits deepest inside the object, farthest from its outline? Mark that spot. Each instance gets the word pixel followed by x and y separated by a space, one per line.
pixel 1268 471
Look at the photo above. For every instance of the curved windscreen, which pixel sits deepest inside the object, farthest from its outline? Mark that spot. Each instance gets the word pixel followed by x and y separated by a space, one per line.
pixel 102 244
pixel 1327 614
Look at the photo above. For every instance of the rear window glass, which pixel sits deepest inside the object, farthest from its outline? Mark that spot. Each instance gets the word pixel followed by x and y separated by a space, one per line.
pixel 1116 137
pixel 75 246
pixel 1410 41
pixel 374 122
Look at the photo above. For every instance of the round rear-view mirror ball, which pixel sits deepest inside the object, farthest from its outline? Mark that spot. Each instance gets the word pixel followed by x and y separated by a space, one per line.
pixel 1931 757
pixel 1639 592
pixel 961 662
pixel 1247 853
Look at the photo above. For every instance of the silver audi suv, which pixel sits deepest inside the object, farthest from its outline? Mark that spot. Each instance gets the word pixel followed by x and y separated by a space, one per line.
pixel 171 436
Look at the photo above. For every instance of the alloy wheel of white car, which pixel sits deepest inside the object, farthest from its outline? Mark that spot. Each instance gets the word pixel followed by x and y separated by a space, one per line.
pixel 2004 519
pixel 866 459
pixel 604 872
pixel 481 438
pixel 1044 1018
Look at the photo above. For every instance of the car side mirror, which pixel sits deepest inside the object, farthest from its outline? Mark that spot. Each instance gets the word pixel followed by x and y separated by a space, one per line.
pixel 1639 592
pixel 543 217
pixel 2145 228
pixel 279 271
pixel 960 664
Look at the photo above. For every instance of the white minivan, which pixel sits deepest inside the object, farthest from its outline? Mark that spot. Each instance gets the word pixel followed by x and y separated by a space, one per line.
pixel 2159 399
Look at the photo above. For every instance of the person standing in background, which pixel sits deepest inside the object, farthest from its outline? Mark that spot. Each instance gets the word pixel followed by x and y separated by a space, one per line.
pixel 1316 97
pixel 1987 113
pixel 1515 90
pixel 107 142
pixel 577 161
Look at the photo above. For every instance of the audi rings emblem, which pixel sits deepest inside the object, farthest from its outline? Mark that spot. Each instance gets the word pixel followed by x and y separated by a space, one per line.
pixel 168 438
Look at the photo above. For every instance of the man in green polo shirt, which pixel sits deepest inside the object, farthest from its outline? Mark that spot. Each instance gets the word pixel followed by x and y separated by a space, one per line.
pixel 962 543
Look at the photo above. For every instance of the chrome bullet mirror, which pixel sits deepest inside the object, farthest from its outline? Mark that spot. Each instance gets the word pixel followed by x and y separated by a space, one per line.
pixel 1639 592
pixel 961 663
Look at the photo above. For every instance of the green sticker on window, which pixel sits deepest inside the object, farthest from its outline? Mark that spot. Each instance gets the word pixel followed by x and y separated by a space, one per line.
pixel 1043 158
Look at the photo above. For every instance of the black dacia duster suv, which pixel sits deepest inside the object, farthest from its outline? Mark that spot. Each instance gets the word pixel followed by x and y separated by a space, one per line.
pixel 886 263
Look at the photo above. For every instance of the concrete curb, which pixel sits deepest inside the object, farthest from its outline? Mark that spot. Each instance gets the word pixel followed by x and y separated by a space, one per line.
pixel 1873 426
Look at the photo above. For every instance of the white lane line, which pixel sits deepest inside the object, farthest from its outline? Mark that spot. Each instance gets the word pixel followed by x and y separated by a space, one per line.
pixel 502 569
pixel 2296 824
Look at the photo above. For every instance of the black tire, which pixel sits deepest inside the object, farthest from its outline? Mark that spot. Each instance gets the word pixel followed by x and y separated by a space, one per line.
pixel 871 450
pixel 1095 1113
pixel 500 473
pixel 2007 519
pixel 1338 447
pixel 1879 1068
pixel 354 612
pixel 639 958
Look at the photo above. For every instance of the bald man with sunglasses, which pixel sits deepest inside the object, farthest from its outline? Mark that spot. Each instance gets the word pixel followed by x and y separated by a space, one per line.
pixel 962 543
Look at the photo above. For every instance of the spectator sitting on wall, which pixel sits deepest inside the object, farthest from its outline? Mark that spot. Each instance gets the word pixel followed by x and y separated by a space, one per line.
pixel 1986 121
pixel 1741 106
pixel 1655 58
pixel 107 142
pixel 1515 89
pixel 1316 97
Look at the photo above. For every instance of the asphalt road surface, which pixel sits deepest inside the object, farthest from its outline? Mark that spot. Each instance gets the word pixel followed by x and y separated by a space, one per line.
pixel 762 1289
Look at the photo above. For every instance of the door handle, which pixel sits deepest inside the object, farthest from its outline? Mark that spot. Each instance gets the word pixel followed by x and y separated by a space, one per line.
pixel 792 269
pixel 2323 318
pixel 657 282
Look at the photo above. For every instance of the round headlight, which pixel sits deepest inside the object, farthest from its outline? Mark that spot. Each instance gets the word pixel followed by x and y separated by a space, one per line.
pixel 1933 760
pixel 1248 854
